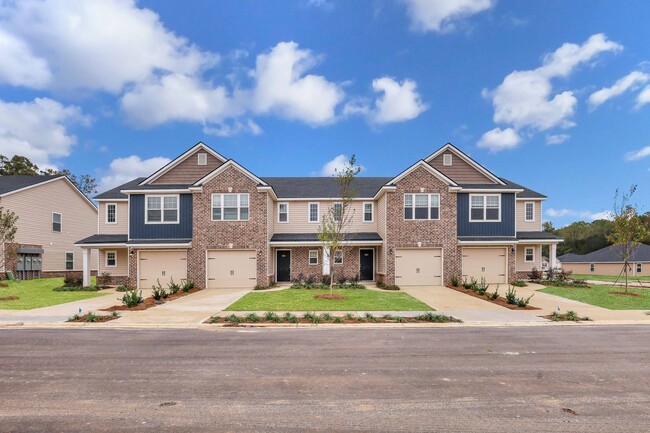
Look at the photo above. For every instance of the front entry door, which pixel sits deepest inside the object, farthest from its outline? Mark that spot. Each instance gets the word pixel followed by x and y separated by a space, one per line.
pixel 283 262
pixel 367 261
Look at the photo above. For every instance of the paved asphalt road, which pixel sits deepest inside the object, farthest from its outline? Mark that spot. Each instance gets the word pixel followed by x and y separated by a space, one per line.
pixel 552 379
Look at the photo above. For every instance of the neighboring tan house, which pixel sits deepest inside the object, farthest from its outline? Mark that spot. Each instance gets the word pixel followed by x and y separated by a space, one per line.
pixel 207 219
pixel 52 215
pixel 608 261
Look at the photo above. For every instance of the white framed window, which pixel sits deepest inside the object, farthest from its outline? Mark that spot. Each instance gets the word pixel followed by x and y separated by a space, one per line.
pixel 111 213
pixel 592 267
pixel 446 159
pixel 529 254
pixel 161 209
pixel 283 212
pixel 485 207
pixel 69 261
pixel 202 159
pixel 639 268
pixel 230 207
pixel 337 209
pixel 368 212
pixel 57 222
pixel 338 257
pixel 529 211
pixel 313 257
pixel 313 216
pixel 111 259
pixel 421 206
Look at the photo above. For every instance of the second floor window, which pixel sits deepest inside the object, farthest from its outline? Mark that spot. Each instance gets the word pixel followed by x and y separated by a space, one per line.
pixel 69 261
pixel 162 209
pixel 283 212
pixel 229 207
pixel 337 210
pixel 485 207
pixel 313 212
pixel 111 213
pixel 56 222
pixel 530 211
pixel 367 212
pixel 421 206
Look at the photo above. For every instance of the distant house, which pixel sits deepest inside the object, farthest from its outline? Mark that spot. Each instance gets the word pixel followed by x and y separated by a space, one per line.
pixel 608 261
pixel 52 214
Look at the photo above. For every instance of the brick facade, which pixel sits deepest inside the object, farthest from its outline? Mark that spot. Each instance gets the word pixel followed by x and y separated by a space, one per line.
pixel 401 233
pixel 349 269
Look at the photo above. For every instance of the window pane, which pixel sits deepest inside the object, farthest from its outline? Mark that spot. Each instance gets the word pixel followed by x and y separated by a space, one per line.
pixel 216 200
pixel 243 200
pixel 170 202
pixel 477 201
pixel 492 214
pixel 230 200
pixel 216 213
pixel 435 200
pixel 153 215
pixel 338 257
pixel 170 215
pixel 230 213
pixel 243 213
pixel 56 217
pixel 338 211
pixel 529 211
pixel 421 200
pixel 283 217
pixel 153 202
pixel 435 213
pixel 477 214
pixel 367 212
pixel 56 227
pixel 408 199
pixel 408 213
pixel 421 213
pixel 492 201
pixel 313 212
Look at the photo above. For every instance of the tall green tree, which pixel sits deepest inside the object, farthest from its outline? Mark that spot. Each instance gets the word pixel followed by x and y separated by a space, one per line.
pixel 332 230
pixel 21 165
pixel 86 183
pixel 629 229
pixel 8 230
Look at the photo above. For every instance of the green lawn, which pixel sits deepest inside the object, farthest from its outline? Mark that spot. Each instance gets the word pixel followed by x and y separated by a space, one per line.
pixel 600 296
pixel 39 293
pixel 303 300
pixel 607 277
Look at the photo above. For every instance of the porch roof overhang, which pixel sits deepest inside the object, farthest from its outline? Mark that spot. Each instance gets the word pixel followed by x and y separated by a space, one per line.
pixel 104 241
pixel 159 243
pixel 538 238
pixel 309 239
pixel 487 240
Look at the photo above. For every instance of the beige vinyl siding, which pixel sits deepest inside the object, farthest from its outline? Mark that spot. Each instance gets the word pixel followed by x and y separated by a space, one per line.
pixel 520 216
pixel 521 264
pixel 189 170
pixel 298 217
pixel 122 267
pixel 380 217
pixel 459 171
pixel 122 226
pixel 34 207
pixel 613 269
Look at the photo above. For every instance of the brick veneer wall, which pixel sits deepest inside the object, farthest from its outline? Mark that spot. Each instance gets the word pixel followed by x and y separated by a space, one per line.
pixel 133 269
pixel 208 234
pixel 401 233
pixel 512 265
pixel 300 263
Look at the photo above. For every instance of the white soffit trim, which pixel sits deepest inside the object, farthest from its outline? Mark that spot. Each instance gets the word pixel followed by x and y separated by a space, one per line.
pixel 467 159
pixel 181 158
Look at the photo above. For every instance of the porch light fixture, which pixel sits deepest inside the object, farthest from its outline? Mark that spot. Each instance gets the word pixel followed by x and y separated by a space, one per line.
pixel 512 249
pixel 230 189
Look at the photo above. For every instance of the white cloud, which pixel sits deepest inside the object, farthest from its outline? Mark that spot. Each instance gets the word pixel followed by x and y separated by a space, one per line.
pixel 557 138
pixel 19 67
pixel 559 213
pixel 122 170
pixel 638 154
pixel 398 102
pixel 525 99
pixel 643 97
pixel 499 139
pixel 38 129
pixel 629 82
pixel 330 167
pixel 440 15
pixel 233 128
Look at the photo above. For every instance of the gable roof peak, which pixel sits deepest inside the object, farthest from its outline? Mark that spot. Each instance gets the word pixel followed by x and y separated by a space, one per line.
pixel 462 155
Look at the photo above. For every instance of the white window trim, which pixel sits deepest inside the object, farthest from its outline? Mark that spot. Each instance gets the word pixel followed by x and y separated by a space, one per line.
pixel 372 212
pixel 484 220
pixel 309 257
pixel 447 162
pixel 106 211
pixel 334 212
pixel 639 268
pixel 65 260
pixel 317 213
pixel 162 208
pixel 198 158
pixel 413 194
pixel 61 223
pixel 335 254
pixel 239 195
pixel 526 214
pixel 106 253
pixel 287 205
pixel 526 254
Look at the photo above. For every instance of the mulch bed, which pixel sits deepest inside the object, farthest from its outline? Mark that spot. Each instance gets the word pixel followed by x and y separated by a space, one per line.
pixel 344 321
pixel 151 302
pixel 4 285
pixel 333 296
pixel 9 298
pixel 100 318
pixel 635 295
pixel 499 301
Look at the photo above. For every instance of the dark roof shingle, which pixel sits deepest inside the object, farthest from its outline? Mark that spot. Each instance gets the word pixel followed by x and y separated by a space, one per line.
pixel 13 183
pixel 104 239
pixel 323 187
pixel 610 254
pixel 115 192
pixel 525 236
pixel 313 237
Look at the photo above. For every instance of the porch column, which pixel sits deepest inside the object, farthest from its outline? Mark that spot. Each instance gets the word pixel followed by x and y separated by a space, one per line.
pixel 86 266
pixel 326 261
pixel 553 253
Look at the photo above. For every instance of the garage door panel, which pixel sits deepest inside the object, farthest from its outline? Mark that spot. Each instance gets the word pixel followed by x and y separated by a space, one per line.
pixel 231 269
pixel 421 267
pixel 162 266
pixel 488 263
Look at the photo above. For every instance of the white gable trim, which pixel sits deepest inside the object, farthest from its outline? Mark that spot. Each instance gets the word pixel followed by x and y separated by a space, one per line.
pixel 178 160
pixel 467 159
pixel 68 181
pixel 429 168
pixel 223 167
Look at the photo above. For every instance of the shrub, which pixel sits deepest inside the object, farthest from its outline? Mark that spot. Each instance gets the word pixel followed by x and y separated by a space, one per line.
pixel 436 318
pixel 73 280
pixel 387 317
pixel 76 289
pixel 562 275
pixel 370 318
pixel 535 274
pixel 454 280
pixel 471 285
pixel 399 319
pixel 132 298
pixel 390 287
pixel 494 295
pixel 214 319
pixel 523 302
pixel 310 280
pixel 252 317
pixel 232 319
pixel 173 287
pixel 189 285
pixel 571 315
pixel 309 316
pixel 519 283
pixel 349 316
pixel 122 288
pixel 91 317
pixel 337 320
pixel 104 278
pixel 326 280
pixel 299 279
pixel 158 292
pixel 511 295
pixel 291 318
pixel 341 279
pixel 482 287
pixel 326 317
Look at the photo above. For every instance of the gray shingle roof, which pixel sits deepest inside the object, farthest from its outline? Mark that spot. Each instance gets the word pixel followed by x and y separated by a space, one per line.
pixel 610 254
pixel 13 183
pixel 115 192
pixel 323 187
pixel 313 237
pixel 158 241
pixel 104 239
pixel 537 236
pixel 527 193
pixel 504 239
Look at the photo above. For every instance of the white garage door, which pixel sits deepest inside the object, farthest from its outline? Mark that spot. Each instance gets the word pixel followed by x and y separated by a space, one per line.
pixel 162 266
pixel 227 269
pixel 488 263
pixel 421 267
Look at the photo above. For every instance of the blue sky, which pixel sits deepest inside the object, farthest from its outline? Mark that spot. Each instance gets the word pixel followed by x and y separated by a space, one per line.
pixel 554 95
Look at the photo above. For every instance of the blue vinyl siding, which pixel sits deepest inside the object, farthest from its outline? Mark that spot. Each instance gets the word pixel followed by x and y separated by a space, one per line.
pixel 504 228
pixel 139 230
